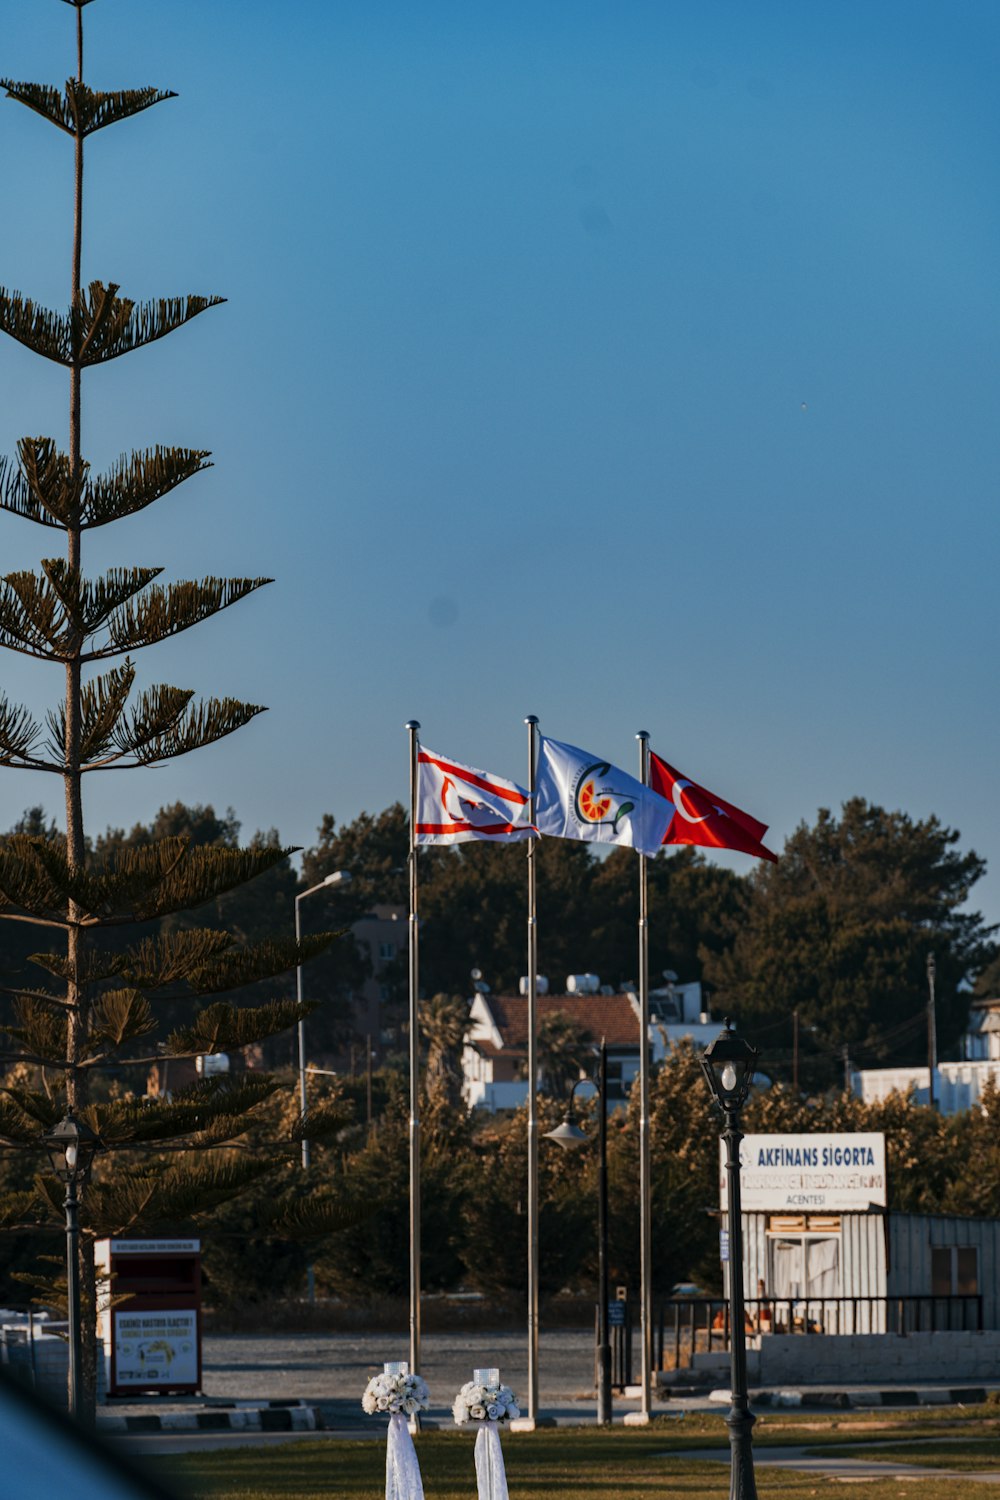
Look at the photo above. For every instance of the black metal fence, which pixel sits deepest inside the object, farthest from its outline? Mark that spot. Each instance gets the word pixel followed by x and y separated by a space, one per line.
pixel 685 1326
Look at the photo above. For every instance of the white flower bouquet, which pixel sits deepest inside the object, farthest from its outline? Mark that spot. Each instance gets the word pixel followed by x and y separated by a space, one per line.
pixel 485 1401
pixel 395 1394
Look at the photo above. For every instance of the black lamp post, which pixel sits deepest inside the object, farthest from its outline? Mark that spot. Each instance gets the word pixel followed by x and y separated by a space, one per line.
pixel 569 1135
pixel 72 1146
pixel 728 1064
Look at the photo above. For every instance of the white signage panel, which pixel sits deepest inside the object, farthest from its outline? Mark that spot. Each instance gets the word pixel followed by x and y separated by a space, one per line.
pixel 156 1348
pixel 815 1173
pixel 155 1247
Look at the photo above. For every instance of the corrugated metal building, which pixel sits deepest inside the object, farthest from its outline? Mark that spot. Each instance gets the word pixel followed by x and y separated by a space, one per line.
pixel 871 1272
pixel 822 1253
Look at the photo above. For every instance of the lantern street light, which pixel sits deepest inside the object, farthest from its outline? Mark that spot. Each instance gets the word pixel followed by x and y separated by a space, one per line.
pixel 728 1064
pixel 72 1146
pixel 569 1136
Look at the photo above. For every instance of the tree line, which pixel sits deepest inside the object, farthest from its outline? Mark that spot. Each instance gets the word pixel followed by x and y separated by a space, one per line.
pixel 838 931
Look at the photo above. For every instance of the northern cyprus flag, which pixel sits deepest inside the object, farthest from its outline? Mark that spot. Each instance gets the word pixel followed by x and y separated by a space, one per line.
pixel 580 796
pixel 457 803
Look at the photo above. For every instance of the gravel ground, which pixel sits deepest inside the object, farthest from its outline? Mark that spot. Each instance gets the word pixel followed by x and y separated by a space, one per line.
pixel 330 1368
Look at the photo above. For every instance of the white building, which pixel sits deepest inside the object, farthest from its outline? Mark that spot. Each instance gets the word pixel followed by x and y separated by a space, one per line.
pixel 495 1055
pixel 957 1085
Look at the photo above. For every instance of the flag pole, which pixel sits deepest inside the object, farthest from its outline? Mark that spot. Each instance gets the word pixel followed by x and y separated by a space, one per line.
pixel 645 1175
pixel 532 722
pixel 413 935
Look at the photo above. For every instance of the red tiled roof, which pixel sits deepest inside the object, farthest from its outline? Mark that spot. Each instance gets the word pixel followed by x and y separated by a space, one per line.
pixel 610 1016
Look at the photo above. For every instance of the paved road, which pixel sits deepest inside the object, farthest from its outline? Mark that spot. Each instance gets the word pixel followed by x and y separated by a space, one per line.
pixel 846 1467
pixel 337 1366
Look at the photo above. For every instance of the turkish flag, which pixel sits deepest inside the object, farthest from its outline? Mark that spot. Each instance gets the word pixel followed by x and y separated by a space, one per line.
pixel 700 817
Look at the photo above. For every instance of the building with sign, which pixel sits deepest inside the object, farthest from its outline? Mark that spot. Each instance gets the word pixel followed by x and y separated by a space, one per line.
pixel 880 1293
pixel 150 1323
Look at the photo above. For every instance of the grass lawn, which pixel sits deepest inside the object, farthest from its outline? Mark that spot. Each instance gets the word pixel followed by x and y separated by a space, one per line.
pixel 620 1464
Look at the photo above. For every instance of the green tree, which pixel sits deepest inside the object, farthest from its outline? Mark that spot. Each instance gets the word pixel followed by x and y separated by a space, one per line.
pixel 371 1260
pixel 564 1049
pixel 840 929
pixel 495 1211
pixel 95 1005
pixel 444 1020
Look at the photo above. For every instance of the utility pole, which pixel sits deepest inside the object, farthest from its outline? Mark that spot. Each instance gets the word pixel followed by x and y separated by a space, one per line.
pixel 847 1069
pixel 795 1049
pixel 931 1029
pixel 368 1079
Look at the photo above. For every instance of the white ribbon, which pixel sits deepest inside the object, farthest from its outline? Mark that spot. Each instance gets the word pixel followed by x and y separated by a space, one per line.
pixel 491 1476
pixel 402 1471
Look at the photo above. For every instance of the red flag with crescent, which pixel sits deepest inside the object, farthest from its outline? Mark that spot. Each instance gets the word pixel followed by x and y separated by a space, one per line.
pixel 700 817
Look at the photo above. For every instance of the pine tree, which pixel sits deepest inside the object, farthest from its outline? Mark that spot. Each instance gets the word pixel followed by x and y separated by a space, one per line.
pixel 95 1003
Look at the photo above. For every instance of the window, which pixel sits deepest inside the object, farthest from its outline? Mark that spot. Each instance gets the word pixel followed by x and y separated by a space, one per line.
pixel 387 950
pixel 954 1270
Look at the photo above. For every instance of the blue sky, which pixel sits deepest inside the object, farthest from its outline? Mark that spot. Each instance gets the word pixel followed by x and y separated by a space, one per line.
pixel 634 366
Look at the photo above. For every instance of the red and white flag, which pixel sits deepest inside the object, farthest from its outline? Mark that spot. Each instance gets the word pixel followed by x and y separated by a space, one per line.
pixel 456 803
pixel 700 817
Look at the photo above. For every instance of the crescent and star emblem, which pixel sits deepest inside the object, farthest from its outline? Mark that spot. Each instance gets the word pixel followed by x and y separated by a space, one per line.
pixel 678 798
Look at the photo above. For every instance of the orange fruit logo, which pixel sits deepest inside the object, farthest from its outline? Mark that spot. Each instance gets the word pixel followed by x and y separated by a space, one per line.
pixel 593 808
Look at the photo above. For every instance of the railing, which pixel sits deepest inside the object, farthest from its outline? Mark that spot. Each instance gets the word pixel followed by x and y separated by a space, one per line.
pixel 685 1326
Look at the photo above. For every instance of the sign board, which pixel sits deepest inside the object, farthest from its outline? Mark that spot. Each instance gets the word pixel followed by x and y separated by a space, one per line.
pixel 616 1314
pixel 155 1247
pixel 815 1173
pixel 156 1348
pixel 723 1245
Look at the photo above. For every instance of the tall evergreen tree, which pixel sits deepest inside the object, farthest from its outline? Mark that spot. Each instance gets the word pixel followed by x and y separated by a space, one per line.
pixel 96 1002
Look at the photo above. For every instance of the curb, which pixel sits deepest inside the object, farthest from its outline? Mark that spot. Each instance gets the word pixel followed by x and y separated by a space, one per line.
pixel 273 1417
pixel 933 1396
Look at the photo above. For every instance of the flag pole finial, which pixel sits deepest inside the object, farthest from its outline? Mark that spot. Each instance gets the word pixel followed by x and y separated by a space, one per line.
pixel 531 718
pixel 412 724
pixel 643 734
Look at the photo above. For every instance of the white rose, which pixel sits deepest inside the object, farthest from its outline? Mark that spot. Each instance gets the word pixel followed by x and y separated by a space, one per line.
pixel 477 1412
pixel 383 1403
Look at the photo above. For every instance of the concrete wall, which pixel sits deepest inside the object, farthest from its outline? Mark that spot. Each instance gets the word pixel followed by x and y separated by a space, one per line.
pixel 863 1359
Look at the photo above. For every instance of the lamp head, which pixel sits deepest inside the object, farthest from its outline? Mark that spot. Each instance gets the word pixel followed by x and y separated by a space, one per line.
pixel 568 1135
pixel 72 1146
pixel 728 1064
pixel 339 877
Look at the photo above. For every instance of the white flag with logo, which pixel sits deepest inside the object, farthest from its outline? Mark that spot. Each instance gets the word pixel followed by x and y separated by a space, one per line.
pixel 456 803
pixel 579 796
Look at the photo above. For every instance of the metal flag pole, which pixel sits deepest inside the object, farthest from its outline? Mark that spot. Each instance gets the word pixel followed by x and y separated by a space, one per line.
pixel 414 976
pixel 532 722
pixel 645 1175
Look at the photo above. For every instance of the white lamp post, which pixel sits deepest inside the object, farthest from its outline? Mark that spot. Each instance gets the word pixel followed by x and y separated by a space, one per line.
pixel 339 877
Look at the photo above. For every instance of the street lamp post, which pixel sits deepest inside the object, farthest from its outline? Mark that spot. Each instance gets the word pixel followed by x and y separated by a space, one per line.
pixel 338 877
pixel 728 1064
pixel 569 1135
pixel 72 1146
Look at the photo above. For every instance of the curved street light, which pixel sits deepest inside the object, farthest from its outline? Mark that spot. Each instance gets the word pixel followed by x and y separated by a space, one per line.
pixel 570 1136
pixel 337 877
